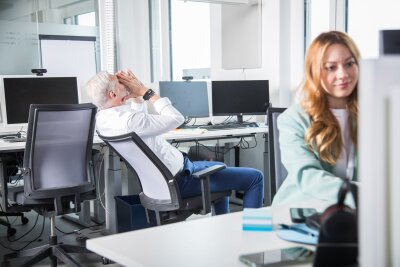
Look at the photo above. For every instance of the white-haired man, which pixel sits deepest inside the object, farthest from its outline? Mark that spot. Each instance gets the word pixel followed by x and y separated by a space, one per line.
pixel 115 117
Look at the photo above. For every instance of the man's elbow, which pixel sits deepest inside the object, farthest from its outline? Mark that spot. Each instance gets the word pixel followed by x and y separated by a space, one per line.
pixel 180 119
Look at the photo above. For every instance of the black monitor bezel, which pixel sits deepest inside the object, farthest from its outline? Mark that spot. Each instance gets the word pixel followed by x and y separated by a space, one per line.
pixel 260 112
pixel 5 107
pixel 389 42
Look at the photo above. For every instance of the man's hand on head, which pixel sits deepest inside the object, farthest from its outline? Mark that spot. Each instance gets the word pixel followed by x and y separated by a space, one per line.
pixel 133 84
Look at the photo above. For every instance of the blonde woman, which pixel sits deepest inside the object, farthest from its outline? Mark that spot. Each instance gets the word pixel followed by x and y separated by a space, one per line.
pixel 318 136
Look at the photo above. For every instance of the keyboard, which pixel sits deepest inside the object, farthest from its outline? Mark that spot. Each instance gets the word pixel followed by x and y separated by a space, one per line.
pixel 184 126
pixel 227 126
pixel 8 135
pixel 14 140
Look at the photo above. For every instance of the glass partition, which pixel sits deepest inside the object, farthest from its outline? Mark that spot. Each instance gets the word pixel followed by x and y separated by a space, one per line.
pixel 22 21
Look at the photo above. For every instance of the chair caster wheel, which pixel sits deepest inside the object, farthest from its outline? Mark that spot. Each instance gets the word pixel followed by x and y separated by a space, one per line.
pixel 105 260
pixel 24 220
pixel 11 231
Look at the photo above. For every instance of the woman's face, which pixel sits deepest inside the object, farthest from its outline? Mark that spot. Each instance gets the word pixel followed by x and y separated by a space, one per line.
pixel 339 75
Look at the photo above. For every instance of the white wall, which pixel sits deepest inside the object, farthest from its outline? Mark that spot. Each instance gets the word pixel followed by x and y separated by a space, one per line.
pixel 282 49
pixel 267 71
pixel 282 61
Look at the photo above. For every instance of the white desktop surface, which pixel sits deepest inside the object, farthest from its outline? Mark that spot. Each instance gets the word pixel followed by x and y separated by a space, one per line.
pixel 179 136
pixel 20 146
pixel 8 146
pixel 189 134
pixel 113 185
pixel 211 241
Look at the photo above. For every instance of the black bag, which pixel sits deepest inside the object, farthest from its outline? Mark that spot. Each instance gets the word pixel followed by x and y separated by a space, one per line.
pixel 338 237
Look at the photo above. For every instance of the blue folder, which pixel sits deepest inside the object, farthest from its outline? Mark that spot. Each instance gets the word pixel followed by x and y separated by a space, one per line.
pixel 297 234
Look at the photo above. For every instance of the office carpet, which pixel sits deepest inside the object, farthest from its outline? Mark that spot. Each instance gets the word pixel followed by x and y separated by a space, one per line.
pixel 31 235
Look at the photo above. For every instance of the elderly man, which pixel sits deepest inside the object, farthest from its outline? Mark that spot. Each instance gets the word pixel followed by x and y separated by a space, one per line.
pixel 115 117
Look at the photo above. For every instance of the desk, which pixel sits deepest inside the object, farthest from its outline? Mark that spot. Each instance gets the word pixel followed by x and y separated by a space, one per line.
pixel 8 147
pixel 113 182
pixel 83 218
pixel 214 135
pixel 211 241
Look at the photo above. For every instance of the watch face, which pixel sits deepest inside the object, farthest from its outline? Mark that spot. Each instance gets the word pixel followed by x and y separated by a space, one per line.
pixel 148 94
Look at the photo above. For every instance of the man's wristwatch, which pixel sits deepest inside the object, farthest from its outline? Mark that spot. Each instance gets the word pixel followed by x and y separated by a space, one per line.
pixel 148 94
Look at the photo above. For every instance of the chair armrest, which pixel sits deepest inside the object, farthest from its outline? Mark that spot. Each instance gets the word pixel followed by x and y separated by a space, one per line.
pixel 204 175
pixel 208 171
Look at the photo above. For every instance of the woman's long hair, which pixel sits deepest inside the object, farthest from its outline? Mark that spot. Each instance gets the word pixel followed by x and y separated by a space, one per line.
pixel 324 134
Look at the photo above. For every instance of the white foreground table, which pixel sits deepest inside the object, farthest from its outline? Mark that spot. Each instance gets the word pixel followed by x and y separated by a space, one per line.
pixel 205 242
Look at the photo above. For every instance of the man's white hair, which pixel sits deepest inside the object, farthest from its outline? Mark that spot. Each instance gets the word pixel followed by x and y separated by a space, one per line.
pixel 99 86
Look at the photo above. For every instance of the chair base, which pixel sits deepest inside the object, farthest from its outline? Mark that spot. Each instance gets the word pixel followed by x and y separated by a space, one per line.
pixel 10 230
pixel 54 252
pixel 190 206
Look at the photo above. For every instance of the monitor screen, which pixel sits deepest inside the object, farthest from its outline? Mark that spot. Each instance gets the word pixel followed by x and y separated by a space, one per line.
pixel 389 42
pixel 247 97
pixel 190 98
pixel 18 93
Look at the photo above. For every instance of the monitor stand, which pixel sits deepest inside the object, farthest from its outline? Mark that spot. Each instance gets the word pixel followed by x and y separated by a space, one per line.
pixel 239 118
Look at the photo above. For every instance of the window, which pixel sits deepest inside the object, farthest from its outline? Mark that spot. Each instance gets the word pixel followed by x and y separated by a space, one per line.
pixel 87 19
pixel 180 40
pixel 317 19
pixel 190 39
pixel 156 41
pixel 69 21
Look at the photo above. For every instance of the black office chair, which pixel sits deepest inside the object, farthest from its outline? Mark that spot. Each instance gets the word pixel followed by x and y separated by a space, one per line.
pixel 160 194
pixel 58 172
pixel 7 209
pixel 277 172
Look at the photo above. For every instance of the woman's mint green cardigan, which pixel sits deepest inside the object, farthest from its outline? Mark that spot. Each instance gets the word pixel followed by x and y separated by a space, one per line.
pixel 308 178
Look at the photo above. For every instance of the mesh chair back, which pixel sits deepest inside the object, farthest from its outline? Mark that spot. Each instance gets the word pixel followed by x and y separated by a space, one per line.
pixel 277 172
pixel 155 178
pixel 58 151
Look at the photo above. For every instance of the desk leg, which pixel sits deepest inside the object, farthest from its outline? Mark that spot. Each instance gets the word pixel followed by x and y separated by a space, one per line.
pixel 3 184
pixel 232 159
pixel 267 180
pixel 98 210
pixel 112 188
pixel 82 217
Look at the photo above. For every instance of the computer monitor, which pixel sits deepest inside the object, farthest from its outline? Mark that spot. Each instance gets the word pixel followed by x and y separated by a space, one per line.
pixel 190 98
pixel 247 97
pixel 17 93
pixel 389 42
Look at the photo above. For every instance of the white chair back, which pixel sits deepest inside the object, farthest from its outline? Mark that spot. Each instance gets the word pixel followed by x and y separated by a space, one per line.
pixel 143 161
